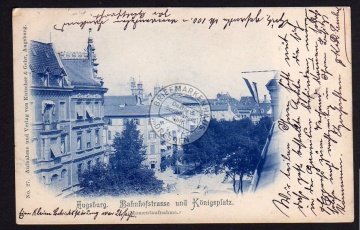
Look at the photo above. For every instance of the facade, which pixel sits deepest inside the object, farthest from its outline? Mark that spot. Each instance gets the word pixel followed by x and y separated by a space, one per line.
pixel 221 110
pixel 122 109
pixel 67 124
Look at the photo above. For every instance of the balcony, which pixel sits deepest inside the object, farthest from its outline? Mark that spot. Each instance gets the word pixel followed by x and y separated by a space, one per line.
pixel 48 127
pixel 42 164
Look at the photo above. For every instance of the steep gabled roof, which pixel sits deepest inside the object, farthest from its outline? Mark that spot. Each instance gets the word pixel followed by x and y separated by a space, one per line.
pixel 246 103
pixel 79 72
pixel 127 100
pixel 219 107
pixel 126 111
pixel 184 99
pixel 43 58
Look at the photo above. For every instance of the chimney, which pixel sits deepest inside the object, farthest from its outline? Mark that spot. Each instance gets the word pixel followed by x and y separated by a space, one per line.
pixel 265 99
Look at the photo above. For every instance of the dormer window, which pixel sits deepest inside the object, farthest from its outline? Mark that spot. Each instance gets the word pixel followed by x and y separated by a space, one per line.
pixel 60 81
pixel 33 52
pixel 45 79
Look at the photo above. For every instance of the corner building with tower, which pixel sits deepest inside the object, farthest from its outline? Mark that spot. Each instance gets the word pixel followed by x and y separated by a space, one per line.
pixel 67 100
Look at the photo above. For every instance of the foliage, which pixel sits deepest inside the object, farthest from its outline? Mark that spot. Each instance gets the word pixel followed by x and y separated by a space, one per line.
pixel 126 174
pixel 232 147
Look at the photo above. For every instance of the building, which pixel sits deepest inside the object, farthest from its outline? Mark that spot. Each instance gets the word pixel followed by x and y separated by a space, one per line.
pixel 121 109
pixel 248 108
pixel 67 123
pixel 221 110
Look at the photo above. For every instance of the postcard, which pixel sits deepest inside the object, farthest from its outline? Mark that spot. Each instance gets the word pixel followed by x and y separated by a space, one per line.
pixel 183 115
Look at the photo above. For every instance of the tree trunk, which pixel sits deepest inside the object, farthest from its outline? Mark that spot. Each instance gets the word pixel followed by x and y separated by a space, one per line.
pixel 241 183
pixel 240 187
pixel 234 184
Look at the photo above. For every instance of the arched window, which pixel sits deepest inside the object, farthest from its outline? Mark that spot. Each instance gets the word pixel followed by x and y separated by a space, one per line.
pixel 54 182
pixel 64 178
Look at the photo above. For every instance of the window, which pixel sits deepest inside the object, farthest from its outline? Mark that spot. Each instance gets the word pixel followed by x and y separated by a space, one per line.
pixel 136 121
pixel 104 136
pixel 64 178
pixel 97 137
pixel 60 81
pixel 48 111
pixel 79 169
pixel 161 122
pixel 152 135
pixel 88 139
pixel 78 142
pixel 88 109
pixel 98 160
pixel 62 111
pixel 46 80
pixel 89 165
pixel 63 144
pixel 79 111
pixel 152 166
pixel 109 135
pixel 42 149
pixel 53 141
pixel 152 149
pixel 96 109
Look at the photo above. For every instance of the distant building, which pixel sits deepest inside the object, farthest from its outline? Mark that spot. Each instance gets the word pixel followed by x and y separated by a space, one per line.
pixel 67 124
pixel 221 111
pixel 225 107
pixel 248 108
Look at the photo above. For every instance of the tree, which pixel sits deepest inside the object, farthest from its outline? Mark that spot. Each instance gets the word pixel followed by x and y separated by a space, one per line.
pixel 126 173
pixel 232 147
pixel 241 162
pixel 98 181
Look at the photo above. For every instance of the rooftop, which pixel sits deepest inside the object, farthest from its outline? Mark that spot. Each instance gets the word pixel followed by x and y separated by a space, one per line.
pixel 127 100
pixel 79 71
pixel 44 62
pixel 126 111
pixel 218 107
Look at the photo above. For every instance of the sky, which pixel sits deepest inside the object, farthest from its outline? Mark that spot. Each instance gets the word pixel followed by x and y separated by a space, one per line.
pixel 210 59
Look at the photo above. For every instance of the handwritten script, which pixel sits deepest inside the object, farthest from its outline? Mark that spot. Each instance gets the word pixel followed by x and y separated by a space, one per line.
pixel 315 117
pixel 131 19
pixel 123 214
